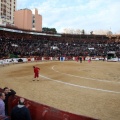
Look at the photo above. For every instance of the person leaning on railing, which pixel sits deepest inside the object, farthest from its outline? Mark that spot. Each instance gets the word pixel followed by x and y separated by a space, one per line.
pixel 8 92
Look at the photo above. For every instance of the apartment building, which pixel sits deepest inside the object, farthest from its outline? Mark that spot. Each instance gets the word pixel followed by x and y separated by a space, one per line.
pixel 28 19
pixel 7 9
pixel 36 20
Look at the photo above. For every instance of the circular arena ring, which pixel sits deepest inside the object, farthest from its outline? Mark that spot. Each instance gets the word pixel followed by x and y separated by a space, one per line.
pixel 90 89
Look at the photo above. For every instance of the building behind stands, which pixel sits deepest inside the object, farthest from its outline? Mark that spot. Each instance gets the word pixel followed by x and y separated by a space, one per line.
pixel 27 19
pixel 22 19
pixel 7 9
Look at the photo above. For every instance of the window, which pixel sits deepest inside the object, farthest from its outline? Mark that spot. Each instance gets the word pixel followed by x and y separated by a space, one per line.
pixel 33 21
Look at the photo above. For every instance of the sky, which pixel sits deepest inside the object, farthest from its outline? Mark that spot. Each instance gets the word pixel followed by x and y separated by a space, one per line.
pixel 90 15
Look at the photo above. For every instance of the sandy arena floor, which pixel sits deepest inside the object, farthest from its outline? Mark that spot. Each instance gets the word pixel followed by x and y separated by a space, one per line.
pixel 90 89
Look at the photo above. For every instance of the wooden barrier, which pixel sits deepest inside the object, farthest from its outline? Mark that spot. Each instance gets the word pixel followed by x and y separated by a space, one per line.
pixel 43 112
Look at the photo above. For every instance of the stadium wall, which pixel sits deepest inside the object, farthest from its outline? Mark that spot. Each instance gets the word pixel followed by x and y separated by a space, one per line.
pixel 34 59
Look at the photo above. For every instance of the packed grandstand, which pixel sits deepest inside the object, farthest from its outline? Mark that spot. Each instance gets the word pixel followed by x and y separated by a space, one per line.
pixel 19 43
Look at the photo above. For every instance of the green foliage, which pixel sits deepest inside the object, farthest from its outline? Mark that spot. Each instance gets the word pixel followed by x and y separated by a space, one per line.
pixel 13 56
pixel 49 30
pixel 83 31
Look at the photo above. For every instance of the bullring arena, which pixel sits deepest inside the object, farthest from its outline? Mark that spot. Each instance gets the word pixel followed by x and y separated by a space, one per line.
pixel 90 89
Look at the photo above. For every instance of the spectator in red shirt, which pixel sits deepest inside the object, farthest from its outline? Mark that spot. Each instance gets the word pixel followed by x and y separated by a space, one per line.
pixel 36 73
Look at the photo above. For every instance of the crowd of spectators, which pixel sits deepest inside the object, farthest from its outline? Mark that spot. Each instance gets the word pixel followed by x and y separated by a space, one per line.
pixel 26 45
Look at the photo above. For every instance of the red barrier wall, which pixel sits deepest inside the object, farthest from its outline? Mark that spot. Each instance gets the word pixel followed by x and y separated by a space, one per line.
pixel 42 112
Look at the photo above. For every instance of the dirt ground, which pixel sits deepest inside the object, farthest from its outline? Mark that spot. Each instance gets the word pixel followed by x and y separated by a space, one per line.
pixel 90 89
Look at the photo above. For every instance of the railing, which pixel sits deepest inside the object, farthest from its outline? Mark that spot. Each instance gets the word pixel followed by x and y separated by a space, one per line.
pixel 43 112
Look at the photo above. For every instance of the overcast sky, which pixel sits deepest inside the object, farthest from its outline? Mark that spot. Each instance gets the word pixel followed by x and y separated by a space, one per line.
pixel 89 15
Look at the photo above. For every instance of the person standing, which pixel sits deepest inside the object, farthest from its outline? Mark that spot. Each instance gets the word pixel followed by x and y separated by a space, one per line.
pixel 20 112
pixel 80 58
pixel 2 107
pixel 8 92
pixel 84 58
pixel 36 73
pixel 89 60
pixel 77 58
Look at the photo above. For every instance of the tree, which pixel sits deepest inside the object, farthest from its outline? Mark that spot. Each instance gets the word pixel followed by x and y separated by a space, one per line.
pixel 91 32
pixel 49 30
pixel 109 33
pixel 83 32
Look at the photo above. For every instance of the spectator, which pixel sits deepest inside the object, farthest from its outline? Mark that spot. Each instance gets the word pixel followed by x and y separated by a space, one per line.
pixel 80 58
pixel 2 107
pixel 8 92
pixel 20 112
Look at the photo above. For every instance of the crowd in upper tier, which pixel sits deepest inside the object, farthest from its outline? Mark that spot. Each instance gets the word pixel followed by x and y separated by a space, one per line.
pixel 25 45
